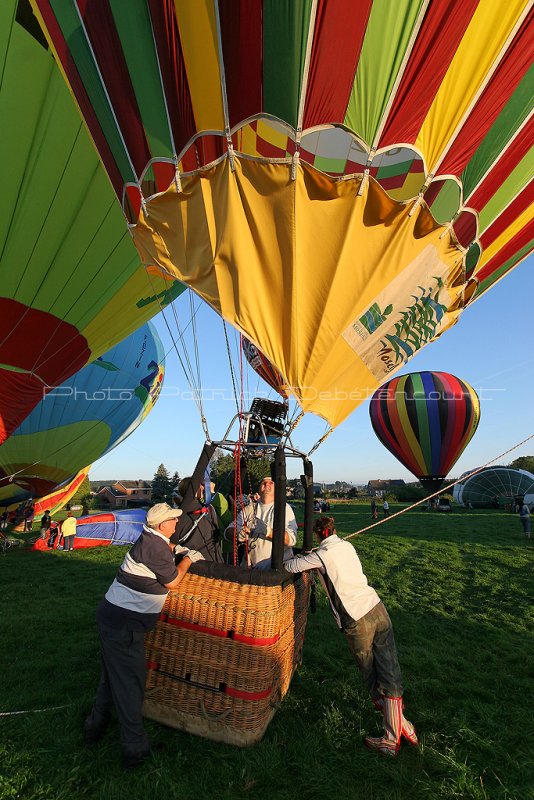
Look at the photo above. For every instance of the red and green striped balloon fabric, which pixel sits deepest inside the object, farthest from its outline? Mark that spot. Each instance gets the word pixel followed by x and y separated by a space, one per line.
pixel 432 97
pixel 426 420
pixel 72 283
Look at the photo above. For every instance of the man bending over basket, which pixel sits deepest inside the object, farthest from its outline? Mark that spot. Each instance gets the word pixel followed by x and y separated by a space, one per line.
pixel 131 607
pixel 361 615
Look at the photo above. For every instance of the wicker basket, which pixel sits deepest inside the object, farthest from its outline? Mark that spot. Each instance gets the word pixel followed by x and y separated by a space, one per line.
pixel 223 654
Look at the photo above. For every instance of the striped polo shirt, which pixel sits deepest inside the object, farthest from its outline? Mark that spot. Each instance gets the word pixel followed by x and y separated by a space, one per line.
pixel 136 597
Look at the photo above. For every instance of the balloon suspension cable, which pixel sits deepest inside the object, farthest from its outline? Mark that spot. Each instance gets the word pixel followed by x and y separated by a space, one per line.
pixel 365 176
pixel 230 149
pixel 197 364
pixel 420 197
pixel 237 494
pixel 230 364
pixel 295 161
pixel 440 491
pixel 238 489
pixel 186 367
pixel 293 423
pixel 187 370
pixel 319 443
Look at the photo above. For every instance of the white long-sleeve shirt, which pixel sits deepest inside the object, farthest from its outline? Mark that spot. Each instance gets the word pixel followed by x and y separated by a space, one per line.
pixel 342 576
pixel 257 519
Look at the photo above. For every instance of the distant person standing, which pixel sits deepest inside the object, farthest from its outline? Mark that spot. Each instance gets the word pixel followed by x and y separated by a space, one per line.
pixel 374 512
pixel 385 506
pixel 29 514
pixel 524 516
pixel 46 521
pixel 68 529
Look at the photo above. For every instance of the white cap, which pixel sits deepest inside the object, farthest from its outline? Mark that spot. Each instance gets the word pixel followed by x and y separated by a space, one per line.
pixel 160 512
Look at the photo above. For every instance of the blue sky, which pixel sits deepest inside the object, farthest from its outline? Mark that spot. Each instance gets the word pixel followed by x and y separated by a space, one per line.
pixel 491 347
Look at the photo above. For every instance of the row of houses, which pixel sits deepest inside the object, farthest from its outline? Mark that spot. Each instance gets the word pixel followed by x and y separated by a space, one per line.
pixel 122 494
pixel 380 488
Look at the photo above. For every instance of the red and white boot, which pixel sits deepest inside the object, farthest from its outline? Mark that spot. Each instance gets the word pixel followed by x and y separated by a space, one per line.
pixel 408 731
pixel 388 744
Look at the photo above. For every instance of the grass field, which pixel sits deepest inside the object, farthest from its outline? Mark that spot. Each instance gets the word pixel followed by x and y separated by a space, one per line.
pixel 459 591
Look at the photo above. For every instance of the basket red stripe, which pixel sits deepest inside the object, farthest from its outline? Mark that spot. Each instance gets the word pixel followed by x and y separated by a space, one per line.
pixel 252 640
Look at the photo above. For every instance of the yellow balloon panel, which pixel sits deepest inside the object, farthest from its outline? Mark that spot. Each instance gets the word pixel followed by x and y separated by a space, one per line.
pixel 338 287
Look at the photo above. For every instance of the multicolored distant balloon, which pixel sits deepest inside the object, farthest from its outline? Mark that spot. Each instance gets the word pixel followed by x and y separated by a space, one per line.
pixel 336 178
pixel 426 419
pixel 83 419
pixel 264 368
pixel 71 281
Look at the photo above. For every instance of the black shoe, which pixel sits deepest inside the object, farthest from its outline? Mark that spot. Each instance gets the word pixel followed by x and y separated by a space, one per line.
pixel 92 736
pixel 131 761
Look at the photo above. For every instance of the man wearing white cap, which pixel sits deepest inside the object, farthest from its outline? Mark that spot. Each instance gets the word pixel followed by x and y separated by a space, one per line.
pixel 255 528
pixel 130 608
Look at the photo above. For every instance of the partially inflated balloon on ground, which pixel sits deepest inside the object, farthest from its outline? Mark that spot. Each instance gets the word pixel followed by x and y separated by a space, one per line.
pixel 495 487
pixel 58 498
pixel 426 419
pixel 81 420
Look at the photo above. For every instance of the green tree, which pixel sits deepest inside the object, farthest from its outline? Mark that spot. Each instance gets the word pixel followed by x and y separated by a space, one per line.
pixel 175 480
pixel 83 492
pixel 223 471
pixel 161 485
pixel 524 462
pixel 409 493
pixel 258 468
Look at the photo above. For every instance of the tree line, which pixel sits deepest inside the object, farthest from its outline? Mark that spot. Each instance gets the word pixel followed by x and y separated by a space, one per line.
pixel 222 471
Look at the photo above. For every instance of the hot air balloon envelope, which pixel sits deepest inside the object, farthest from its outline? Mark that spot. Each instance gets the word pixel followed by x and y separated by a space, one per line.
pixel 426 419
pixel 72 282
pixel 336 180
pixel 82 419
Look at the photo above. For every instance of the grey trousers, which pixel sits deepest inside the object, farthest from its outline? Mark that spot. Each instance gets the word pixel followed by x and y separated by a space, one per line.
pixel 372 643
pixel 122 684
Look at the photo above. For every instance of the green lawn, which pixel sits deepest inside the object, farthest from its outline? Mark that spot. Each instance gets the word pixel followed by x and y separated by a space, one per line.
pixel 459 590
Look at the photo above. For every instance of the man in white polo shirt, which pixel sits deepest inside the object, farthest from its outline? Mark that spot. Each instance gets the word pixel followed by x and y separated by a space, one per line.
pixel 130 608
pixel 361 615
pixel 255 527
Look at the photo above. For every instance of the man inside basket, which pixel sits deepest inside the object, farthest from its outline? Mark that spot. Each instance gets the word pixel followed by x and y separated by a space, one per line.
pixel 363 618
pixel 130 608
pixel 255 528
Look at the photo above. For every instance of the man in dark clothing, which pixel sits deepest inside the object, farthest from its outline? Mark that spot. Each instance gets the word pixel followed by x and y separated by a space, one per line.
pixel 45 524
pixel 198 529
pixel 131 607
